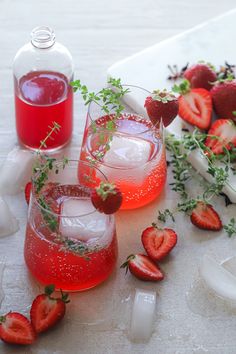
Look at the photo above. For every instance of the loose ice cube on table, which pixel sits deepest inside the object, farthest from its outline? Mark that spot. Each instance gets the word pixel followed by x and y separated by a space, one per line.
pixel 8 223
pixel 73 225
pixel 15 171
pixel 217 278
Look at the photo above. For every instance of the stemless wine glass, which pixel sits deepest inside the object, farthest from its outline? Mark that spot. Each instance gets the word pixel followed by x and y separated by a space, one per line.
pixel 130 152
pixel 68 242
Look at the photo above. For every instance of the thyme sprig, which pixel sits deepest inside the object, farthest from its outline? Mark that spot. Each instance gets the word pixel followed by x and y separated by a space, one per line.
pixel 182 172
pixel 109 100
pixel 42 166
pixel 231 227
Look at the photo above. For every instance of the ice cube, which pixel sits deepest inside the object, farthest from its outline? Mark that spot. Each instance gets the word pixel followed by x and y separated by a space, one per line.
pixel 125 159
pixel 218 278
pixel 126 152
pixel 8 223
pixel 143 315
pixel 84 228
pixel 15 171
pixel 230 265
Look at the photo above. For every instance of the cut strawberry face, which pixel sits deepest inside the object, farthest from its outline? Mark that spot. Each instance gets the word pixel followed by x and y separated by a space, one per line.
pixel 142 267
pixel 225 130
pixel 205 217
pixel 47 311
pixel 16 329
pixel 158 242
pixel 195 107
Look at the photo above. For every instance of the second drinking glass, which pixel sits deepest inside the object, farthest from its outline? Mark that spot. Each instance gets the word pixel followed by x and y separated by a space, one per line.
pixel 131 155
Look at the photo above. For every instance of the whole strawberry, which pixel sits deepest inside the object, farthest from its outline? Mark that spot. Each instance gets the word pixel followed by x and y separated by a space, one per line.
pixel 224 98
pixel 200 76
pixel 106 198
pixel 161 105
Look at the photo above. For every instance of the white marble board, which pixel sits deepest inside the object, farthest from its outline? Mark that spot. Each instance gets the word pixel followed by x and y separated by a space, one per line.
pixel 211 42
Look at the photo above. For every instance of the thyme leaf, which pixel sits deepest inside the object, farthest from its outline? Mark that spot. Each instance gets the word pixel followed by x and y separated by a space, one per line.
pixel 231 227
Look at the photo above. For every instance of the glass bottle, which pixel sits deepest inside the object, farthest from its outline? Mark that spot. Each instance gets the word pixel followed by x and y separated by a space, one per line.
pixel 42 72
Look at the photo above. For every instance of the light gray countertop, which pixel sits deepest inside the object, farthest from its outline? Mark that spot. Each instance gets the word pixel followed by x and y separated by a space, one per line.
pixel 99 33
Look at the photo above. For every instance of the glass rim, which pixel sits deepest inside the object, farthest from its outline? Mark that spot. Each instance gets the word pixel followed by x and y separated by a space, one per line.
pixel 40 207
pixel 124 112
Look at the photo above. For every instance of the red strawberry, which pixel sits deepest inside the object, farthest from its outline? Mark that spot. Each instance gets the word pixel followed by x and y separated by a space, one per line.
pixel 195 105
pixel 142 267
pixel 205 217
pixel 28 188
pixel 16 329
pixel 106 198
pixel 224 98
pixel 161 104
pixel 46 311
pixel 200 76
pixel 158 242
pixel 225 129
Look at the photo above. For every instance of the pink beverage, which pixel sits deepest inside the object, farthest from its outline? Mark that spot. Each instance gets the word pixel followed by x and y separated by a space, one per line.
pixel 43 70
pixel 42 97
pixel 69 243
pixel 135 160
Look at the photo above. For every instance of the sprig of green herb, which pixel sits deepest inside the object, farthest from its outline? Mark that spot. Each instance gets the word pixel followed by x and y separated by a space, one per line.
pixel 51 220
pixel 163 216
pixel 183 171
pixel 109 100
pixel 43 165
pixel 231 227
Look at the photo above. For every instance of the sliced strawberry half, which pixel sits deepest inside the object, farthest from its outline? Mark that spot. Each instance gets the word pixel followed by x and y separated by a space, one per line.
pixel 205 217
pixel 225 130
pixel 195 105
pixel 46 311
pixel 158 242
pixel 28 188
pixel 15 328
pixel 142 267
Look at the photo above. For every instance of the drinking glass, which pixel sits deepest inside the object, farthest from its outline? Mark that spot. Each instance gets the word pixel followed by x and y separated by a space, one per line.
pixel 68 242
pixel 131 155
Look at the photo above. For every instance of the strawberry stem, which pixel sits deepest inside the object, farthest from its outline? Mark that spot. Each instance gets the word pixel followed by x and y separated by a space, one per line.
pixel 49 289
pixel 2 319
pixel 105 189
pixel 64 297
pixel 182 88
pixel 126 263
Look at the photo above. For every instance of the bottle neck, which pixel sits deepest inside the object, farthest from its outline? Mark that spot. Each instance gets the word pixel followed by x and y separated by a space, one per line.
pixel 42 37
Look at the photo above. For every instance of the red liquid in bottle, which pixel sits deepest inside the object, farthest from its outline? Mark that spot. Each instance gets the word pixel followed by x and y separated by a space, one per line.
pixel 42 97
